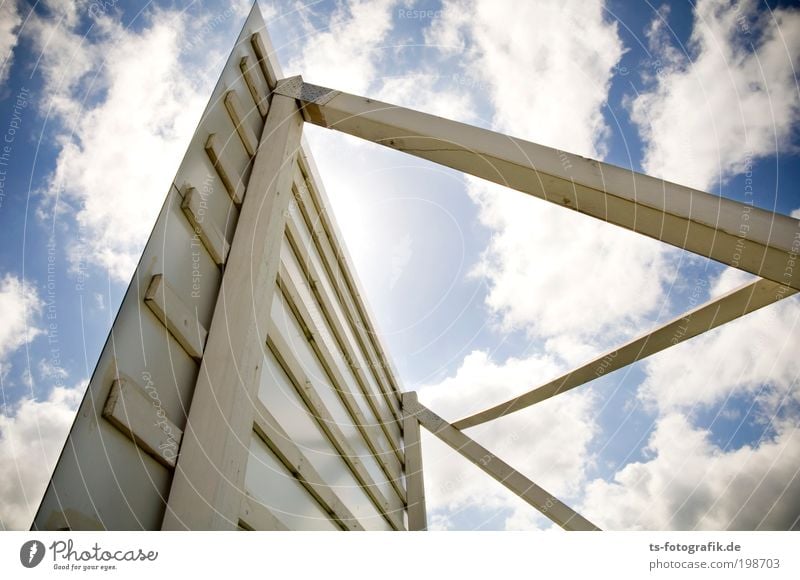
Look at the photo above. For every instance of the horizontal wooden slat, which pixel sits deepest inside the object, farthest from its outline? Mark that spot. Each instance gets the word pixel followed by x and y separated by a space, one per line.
pixel 176 316
pixel 137 412
pixel 195 209
pixel 229 176
pixel 259 96
pixel 237 114
pixel 263 60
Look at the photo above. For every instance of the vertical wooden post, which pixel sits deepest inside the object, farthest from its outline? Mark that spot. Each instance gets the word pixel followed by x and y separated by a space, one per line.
pixel 415 487
pixel 208 486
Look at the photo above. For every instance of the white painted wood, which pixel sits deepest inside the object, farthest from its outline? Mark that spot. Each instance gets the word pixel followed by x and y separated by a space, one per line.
pixel 415 485
pixel 714 313
pixel 264 62
pixel 259 96
pixel 338 274
pixel 259 517
pixel 141 417
pixel 209 477
pixel 389 466
pixel 325 303
pixel 292 457
pixel 194 208
pixel 178 318
pixel 325 420
pixel 550 506
pixel 228 175
pixel 237 114
pixel 739 235
pixel 378 358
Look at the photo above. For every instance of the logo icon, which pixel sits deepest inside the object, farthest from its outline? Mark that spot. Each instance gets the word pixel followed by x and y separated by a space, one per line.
pixel 31 553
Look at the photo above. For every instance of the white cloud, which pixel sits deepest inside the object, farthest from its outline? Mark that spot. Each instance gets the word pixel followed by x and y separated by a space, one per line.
pixel 117 156
pixel 548 443
pixel 346 53
pixel 712 112
pixel 690 483
pixel 20 307
pixel 754 355
pixel 558 275
pixel 31 437
pixel 531 76
pixel 52 371
pixel 728 280
pixel 10 19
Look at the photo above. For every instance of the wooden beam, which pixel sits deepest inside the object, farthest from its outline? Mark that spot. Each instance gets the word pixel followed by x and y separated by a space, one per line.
pixel 754 240
pixel 415 485
pixel 714 313
pixel 545 502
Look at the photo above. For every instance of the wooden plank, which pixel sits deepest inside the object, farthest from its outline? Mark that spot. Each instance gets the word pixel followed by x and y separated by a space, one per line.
pixel 237 115
pixel 176 316
pixel 209 477
pixel 323 417
pixel 545 502
pixel 270 431
pixel 212 237
pixel 259 97
pixel 742 236
pixel 262 56
pixel 139 415
pixel 415 484
pixel 390 468
pixel 228 175
pixel 714 313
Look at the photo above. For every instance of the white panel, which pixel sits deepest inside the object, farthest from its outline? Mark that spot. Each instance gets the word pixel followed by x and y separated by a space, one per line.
pixel 323 333
pixel 280 397
pixel 324 281
pixel 269 482
pixel 286 322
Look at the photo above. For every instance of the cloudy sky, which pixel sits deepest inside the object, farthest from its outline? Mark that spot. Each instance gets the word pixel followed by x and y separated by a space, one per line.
pixel 479 293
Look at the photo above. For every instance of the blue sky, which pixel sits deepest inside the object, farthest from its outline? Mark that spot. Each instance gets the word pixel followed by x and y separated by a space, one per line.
pixel 479 293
